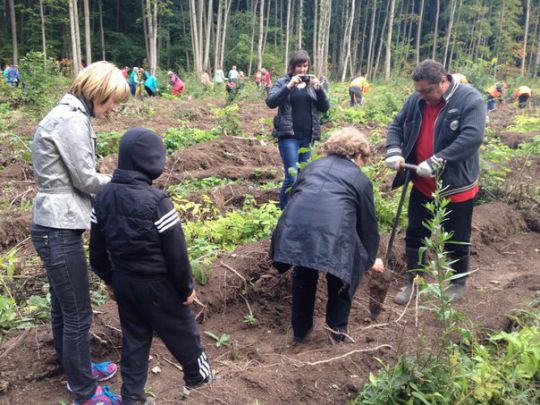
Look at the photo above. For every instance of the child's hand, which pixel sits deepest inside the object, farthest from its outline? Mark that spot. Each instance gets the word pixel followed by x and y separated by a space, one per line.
pixel 189 300
pixel 378 266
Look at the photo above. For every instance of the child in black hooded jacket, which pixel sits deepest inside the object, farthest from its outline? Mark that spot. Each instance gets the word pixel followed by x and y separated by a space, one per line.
pixel 138 248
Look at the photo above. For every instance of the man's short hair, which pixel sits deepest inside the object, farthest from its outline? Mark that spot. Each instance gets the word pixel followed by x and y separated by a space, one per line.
pixel 429 70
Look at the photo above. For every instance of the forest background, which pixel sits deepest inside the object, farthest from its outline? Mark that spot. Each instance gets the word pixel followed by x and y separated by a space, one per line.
pixel 380 39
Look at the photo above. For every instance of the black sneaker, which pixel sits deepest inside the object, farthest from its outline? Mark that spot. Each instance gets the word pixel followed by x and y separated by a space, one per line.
pixel 188 388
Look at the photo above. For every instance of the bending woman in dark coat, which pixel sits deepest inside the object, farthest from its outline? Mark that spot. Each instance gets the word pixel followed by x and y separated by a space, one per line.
pixel 300 99
pixel 329 225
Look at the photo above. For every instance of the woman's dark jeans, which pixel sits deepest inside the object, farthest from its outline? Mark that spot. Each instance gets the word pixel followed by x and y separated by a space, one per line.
pixel 62 253
pixel 288 149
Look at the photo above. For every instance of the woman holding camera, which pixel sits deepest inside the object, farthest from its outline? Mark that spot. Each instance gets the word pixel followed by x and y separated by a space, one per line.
pixel 300 99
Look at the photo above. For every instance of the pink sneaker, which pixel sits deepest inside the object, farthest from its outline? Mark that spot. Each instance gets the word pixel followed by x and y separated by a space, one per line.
pixel 101 371
pixel 103 396
pixel 104 371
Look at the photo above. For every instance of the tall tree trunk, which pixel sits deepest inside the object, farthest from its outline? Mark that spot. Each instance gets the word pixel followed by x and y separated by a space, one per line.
pixel 73 24
pixel 13 32
pixel 218 36
pixel 381 43
pixel 532 57
pixel 152 27
pixel 300 24
pixel 197 57
pixel 224 36
pixel 145 30
pixel 102 33
pixel 209 18
pixel 347 39
pixel 267 25
pixel 389 39
pixel 87 39
pixel 362 46
pixel 371 46
pixel 43 40
pixel 537 59
pixel 525 37
pixel 453 6
pixel 419 31
pixel 315 32
pixel 261 37
pixel 253 9
pixel 287 33
pixel 436 30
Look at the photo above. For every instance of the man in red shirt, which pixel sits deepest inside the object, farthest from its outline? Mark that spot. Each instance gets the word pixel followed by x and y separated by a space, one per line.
pixel 440 128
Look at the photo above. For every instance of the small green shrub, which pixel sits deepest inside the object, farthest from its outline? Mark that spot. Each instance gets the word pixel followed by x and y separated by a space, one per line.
pixel 228 120
pixel 524 123
pixel 189 186
pixel 107 143
pixel 180 138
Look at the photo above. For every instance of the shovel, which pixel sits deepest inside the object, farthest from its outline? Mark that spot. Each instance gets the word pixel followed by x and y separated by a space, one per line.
pixel 379 282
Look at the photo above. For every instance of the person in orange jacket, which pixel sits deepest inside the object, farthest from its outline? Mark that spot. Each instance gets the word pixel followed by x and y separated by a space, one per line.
pixel 496 93
pixel 523 93
pixel 357 88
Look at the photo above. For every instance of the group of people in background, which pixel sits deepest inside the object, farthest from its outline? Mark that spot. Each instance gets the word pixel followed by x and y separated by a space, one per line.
pixel 11 75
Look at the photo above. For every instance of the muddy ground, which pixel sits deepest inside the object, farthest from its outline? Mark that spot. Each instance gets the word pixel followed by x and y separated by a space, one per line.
pixel 261 365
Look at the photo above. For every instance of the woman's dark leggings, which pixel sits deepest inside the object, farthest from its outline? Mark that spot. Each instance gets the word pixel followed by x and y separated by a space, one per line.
pixel 304 287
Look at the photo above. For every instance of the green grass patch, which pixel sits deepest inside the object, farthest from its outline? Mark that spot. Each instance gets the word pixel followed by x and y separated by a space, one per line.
pixel 180 138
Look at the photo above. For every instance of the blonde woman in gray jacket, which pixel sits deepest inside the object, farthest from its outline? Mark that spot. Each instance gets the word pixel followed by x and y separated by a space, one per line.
pixel 64 162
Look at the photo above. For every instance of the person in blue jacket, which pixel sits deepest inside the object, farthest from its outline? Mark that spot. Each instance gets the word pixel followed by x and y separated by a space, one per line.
pixel 150 85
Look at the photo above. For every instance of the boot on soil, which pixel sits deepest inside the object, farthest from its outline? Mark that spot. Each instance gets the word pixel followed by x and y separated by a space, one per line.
pixel 101 372
pixel 103 396
pixel 458 287
pixel 404 296
pixel 301 339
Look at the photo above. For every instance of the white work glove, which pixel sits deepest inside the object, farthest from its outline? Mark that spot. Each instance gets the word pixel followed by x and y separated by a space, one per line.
pixel 429 167
pixel 394 162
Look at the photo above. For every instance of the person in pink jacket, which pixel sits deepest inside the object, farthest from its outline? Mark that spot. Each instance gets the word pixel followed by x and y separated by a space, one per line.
pixel 176 84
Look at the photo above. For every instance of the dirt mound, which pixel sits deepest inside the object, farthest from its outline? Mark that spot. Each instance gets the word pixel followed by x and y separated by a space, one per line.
pixel 495 222
pixel 225 157
pixel 14 229
pixel 16 170
pixel 514 139
pixel 232 196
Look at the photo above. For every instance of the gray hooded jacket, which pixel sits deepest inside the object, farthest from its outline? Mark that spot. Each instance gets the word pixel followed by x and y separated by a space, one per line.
pixel 64 162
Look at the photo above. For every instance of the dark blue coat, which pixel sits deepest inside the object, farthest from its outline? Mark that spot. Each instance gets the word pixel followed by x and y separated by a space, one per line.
pixel 135 228
pixel 329 223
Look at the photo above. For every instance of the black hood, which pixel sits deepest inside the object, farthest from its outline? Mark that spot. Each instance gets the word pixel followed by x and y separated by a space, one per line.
pixel 142 150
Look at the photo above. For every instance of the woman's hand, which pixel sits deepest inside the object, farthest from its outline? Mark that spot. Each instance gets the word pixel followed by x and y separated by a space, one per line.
pixel 189 300
pixel 378 266
pixel 314 82
pixel 295 81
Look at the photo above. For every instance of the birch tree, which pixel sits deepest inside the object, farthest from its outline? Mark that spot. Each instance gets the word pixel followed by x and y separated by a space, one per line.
pixel 287 33
pixel 453 5
pixel 347 38
pixel 525 37
pixel 43 39
pixel 419 31
pixel 73 25
pixel 101 32
pixel 151 17
pixel 436 30
pixel 13 32
pixel 261 37
pixel 87 39
pixel 389 39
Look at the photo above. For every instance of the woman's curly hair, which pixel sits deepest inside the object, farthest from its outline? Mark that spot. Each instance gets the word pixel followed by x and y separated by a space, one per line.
pixel 347 142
